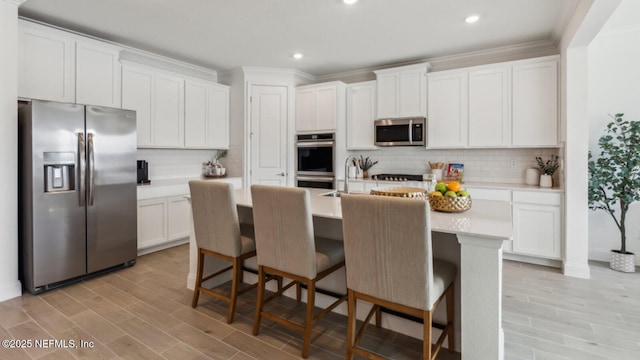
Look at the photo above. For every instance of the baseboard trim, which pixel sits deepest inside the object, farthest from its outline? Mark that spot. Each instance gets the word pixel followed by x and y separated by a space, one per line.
pixel 163 246
pixel 577 270
pixel 532 260
pixel 11 290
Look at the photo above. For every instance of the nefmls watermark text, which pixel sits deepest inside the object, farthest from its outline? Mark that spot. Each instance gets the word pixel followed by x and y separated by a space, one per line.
pixel 46 343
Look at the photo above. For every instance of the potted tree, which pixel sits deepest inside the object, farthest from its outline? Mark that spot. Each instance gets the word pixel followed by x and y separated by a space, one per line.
pixel 614 181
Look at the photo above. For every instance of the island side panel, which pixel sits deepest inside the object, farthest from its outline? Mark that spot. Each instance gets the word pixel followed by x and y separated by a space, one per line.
pixel 481 297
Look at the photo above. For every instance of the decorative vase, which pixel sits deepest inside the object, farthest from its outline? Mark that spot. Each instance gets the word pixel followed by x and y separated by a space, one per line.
pixel 532 176
pixel 353 172
pixel 623 262
pixel 365 174
pixel 546 181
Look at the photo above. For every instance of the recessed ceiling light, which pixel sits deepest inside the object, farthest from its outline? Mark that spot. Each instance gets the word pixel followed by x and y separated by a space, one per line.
pixel 471 19
pixel 298 56
pixel 350 2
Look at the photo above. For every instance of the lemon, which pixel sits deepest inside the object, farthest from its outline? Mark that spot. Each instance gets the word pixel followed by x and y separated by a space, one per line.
pixel 435 193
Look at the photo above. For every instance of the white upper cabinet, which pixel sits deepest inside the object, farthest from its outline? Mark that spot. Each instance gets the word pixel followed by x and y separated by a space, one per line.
pixel 46 63
pixel 535 104
pixel 489 99
pixel 168 123
pixel 98 74
pixel 138 95
pixel 206 115
pixel 402 91
pixel 448 114
pixel 320 107
pixel 361 113
pixel 513 104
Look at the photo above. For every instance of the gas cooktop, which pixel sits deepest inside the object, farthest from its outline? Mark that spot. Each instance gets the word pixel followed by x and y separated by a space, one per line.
pixel 397 177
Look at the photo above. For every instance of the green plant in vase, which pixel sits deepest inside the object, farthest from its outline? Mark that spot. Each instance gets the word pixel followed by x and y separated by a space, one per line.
pixel 365 165
pixel 614 181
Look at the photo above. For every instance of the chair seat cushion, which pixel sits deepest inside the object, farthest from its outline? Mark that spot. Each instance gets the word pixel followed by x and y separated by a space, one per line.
pixel 328 253
pixel 444 273
pixel 247 237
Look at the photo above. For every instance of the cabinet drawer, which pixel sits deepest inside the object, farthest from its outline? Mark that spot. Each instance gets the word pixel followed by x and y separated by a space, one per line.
pixel 537 197
pixel 489 194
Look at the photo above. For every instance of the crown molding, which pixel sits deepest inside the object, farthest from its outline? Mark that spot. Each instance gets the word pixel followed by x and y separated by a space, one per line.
pixel 14 2
pixel 473 58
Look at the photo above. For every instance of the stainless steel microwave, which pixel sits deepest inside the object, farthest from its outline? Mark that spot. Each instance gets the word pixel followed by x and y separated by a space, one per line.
pixel 401 132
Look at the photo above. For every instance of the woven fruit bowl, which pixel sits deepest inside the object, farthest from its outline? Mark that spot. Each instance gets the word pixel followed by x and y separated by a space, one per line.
pixel 450 204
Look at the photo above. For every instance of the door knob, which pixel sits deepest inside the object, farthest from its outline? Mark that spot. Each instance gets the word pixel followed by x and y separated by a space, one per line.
pixel 281 174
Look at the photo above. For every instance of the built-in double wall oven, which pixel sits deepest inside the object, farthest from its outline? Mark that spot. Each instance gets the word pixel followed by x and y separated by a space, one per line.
pixel 315 160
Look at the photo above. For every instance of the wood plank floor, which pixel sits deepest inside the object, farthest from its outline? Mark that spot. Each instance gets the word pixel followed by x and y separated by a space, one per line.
pixel 144 312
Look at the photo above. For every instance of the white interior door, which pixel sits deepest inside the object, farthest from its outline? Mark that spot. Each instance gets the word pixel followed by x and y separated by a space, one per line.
pixel 269 141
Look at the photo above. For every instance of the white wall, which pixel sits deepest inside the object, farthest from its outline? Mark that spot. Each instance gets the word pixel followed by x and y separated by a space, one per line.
pixel 9 284
pixel 614 87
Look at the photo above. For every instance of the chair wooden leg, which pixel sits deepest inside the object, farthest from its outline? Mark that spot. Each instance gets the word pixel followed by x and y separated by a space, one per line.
pixel 299 291
pixel 241 272
pixel 426 344
pixel 450 318
pixel 260 299
pixel 379 317
pixel 351 323
pixel 311 294
pixel 196 288
pixel 235 286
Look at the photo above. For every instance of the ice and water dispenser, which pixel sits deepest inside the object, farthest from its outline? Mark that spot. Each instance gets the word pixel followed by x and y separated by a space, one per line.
pixel 59 172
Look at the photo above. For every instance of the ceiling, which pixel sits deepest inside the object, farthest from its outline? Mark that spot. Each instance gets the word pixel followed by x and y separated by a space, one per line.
pixel 334 37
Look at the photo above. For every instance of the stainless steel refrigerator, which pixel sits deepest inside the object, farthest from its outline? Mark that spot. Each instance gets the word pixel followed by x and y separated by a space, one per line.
pixel 77 176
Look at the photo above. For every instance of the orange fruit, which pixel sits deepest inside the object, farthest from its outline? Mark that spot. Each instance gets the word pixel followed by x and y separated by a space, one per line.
pixel 453 186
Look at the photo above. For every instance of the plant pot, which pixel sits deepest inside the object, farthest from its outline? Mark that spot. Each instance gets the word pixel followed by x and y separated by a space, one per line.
pixel 623 262
pixel 546 181
pixel 365 174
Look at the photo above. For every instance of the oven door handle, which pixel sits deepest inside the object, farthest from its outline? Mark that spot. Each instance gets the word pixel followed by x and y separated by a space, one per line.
pixel 315 144
pixel 315 178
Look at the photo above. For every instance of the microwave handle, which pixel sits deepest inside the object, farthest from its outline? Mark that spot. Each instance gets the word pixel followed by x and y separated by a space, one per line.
pixel 410 131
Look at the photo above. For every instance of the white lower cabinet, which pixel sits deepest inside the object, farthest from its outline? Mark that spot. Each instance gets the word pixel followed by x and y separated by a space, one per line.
pixel 537 224
pixel 162 220
pixel 178 217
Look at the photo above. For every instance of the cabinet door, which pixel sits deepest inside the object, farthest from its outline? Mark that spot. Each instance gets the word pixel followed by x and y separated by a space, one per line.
pixel 97 74
pixel 489 97
pixel 46 66
pixel 326 108
pixel 137 94
pixel 388 92
pixel 413 93
pixel 537 230
pixel 305 110
pixel 218 117
pixel 152 222
pixel 178 218
pixel 195 114
pixel 361 113
pixel 535 104
pixel 168 122
pixel 447 121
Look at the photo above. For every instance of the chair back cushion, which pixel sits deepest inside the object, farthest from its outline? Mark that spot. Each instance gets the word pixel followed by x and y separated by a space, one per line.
pixel 387 244
pixel 215 217
pixel 284 229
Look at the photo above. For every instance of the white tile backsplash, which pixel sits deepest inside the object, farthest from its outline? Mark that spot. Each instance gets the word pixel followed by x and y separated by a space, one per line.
pixel 480 165
pixel 175 163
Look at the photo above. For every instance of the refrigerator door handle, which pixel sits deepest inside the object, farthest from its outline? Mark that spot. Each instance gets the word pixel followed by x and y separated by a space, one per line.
pixel 92 167
pixel 82 169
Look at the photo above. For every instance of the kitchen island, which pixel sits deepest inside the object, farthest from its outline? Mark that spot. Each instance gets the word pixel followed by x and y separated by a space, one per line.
pixel 480 233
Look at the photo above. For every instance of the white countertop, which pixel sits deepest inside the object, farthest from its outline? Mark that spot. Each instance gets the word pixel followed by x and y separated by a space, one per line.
pixel 486 218
pixel 174 187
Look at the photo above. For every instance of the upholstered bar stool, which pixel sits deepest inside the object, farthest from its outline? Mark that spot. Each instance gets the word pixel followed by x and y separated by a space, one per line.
pixel 389 264
pixel 219 235
pixel 287 247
